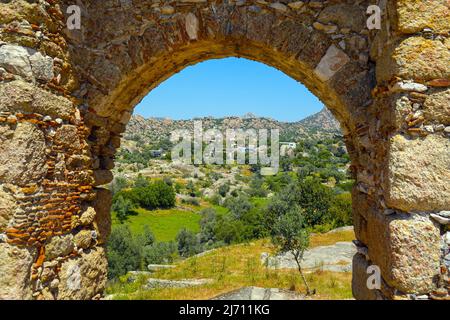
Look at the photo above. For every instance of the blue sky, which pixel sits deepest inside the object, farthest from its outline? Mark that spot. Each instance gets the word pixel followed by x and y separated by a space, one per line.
pixel 230 87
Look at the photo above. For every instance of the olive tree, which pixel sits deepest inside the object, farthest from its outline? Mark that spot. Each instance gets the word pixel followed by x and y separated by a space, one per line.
pixel 290 236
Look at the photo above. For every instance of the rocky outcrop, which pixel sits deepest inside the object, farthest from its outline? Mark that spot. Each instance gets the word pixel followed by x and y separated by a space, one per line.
pixel 320 125
pixel 336 258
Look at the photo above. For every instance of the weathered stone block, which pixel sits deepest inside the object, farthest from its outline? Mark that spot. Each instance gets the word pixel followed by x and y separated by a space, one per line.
pixel 87 217
pixel 417 176
pixel 15 268
pixel 352 84
pixel 192 25
pixel 437 107
pixel 102 221
pixel 406 247
pixel 290 38
pixel 20 96
pixel 102 177
pixel 22 157
pixel 416 15
pixel 314 50
pixel 42 66
pixel 331 63
pixel 83 239
pixel 415 58
pixel 83 277
pixel 7 208
pixel 67 136
pixel 16 60
pixel 59 246
pixel 360 211
pixel 345 16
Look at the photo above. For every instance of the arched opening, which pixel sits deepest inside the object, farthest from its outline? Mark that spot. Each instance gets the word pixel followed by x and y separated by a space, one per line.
pixel 209 234
pixel 67 95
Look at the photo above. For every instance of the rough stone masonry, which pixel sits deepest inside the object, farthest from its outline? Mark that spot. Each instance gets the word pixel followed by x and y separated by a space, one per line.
pixel 66 96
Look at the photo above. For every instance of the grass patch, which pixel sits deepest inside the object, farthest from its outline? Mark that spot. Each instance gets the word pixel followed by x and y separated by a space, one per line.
pixel 165 224
pixel 329 238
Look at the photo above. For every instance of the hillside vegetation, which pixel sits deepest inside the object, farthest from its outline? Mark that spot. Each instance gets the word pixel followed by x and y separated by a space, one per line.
pixel 237 266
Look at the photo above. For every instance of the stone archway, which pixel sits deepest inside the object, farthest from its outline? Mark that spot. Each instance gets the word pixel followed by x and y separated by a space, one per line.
pixel 66 96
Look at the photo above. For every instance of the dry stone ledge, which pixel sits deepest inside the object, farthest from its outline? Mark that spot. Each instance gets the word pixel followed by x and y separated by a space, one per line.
pixel 67 95
pixel 153 283
pixel 157 267
pixel 257 293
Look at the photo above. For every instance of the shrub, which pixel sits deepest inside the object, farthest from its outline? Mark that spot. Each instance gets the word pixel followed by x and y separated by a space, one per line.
pixel 123 207
pixel 315 199
pixel 155 195
pixel 119 183
pixel 188 243
pixel 123 252
pixel 191 189
pixel 229 230
pixel 160 253
pixel 256 187
pixel 146 238
pixel 223 189
pixel 215 175
pixel 215 199
pixel 238 205
pixel 208 226
pixel 341 210
pixel 191 200
pixel 310 195
pixel 141 182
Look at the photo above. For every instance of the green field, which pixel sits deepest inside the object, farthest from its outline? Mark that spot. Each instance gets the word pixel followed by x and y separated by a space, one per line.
pixel 165 224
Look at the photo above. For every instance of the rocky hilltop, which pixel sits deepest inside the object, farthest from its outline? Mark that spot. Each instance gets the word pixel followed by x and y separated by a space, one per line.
pixel 151 130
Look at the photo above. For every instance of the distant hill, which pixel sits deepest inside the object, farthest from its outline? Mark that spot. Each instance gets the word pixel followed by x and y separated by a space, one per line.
pixel 323 119
pixel 153 130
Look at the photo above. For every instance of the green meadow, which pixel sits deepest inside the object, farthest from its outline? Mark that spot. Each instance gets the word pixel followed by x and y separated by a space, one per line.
pixel 165 224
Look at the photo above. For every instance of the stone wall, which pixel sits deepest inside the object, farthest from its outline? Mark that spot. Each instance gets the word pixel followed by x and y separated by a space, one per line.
pixel 66 96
